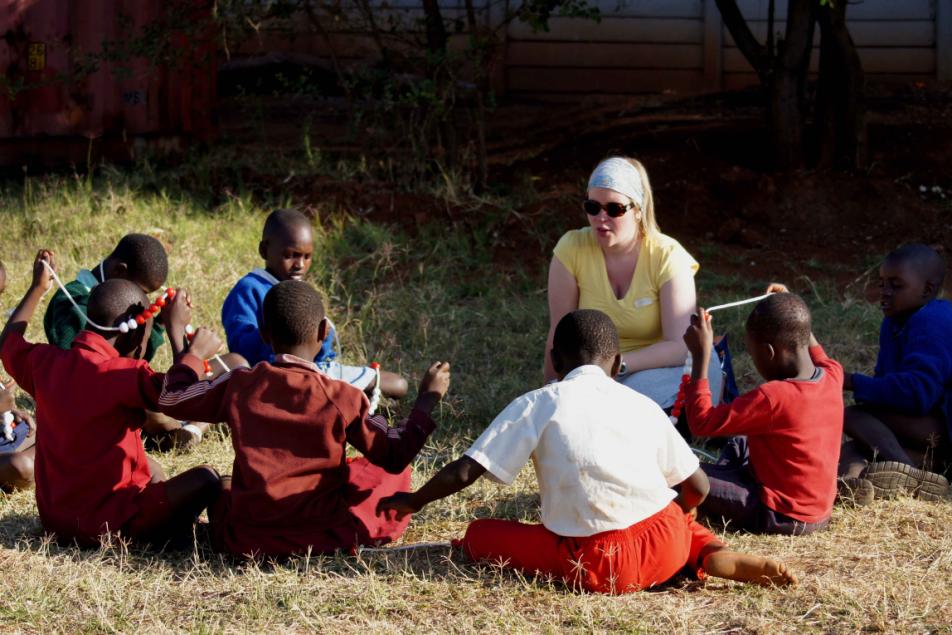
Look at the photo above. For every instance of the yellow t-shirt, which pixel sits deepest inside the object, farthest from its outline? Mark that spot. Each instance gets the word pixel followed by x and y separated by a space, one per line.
pixel 637 316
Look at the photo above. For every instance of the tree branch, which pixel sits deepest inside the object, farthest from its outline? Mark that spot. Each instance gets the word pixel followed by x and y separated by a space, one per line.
pixel 753 50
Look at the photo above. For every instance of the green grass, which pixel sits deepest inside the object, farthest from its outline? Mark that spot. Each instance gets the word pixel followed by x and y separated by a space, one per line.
pixel 405 297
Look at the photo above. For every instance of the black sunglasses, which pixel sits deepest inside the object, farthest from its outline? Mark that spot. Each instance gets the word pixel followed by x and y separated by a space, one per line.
pixel 592 208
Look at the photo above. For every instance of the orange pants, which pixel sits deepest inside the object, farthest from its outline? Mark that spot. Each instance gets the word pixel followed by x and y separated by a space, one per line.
pixel 622 561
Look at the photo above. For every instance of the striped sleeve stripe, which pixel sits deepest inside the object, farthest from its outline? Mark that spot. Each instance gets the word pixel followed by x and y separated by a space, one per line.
pixel 171 398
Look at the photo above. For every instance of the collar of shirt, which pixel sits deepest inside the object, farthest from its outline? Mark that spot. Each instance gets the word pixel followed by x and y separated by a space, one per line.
pixel 293 360
pixel 94 342
pixel 588 369
pixel 87 278
pixel 264 273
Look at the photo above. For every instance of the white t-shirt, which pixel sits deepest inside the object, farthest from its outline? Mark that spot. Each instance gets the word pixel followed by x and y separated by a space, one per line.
pixel 605 456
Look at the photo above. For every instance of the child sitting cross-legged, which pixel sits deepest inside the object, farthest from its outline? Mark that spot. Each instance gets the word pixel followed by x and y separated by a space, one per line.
pixel 608 463
pixel 293 490
pixel 777 473
pixel 92 474
pixel 287 247
pixel 17 451
pixel 140 259
pixel 901 424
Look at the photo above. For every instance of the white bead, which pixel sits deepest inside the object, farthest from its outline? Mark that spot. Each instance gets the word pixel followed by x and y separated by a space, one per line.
pixel 124 327
pixel 133 325
pixel 8 418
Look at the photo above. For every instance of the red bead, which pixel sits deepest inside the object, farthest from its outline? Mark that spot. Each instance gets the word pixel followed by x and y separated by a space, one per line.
pixel 140 320
pixel 208 367
pixel 375 365
pixel 160 302
pixel 147 314
pixel 170 293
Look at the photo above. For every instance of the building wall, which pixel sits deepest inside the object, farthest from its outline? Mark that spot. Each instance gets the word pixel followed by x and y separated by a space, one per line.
pixel 642 46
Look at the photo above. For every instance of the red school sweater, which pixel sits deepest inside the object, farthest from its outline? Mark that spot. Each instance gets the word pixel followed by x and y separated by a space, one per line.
pixel 290 425
pixel 90 406
pixel 794 429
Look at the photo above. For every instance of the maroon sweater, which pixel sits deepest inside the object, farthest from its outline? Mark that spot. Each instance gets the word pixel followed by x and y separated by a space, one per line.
pixel 289 426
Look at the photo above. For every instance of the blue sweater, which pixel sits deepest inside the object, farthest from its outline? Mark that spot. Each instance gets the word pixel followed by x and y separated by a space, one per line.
pixel 242 316
pixel 914 368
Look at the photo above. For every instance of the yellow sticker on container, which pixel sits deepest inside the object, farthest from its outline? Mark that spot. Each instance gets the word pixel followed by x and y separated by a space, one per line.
pixel 36 56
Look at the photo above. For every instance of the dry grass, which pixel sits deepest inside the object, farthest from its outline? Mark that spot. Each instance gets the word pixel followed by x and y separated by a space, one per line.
pixel 884 568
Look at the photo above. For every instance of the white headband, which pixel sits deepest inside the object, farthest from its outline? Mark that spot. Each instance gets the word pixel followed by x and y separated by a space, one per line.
pixel 621 176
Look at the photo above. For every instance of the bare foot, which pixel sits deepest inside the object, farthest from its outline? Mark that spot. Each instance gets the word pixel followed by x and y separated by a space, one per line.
pixel 748 568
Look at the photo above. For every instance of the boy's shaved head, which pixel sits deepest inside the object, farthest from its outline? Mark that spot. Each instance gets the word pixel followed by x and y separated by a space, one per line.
pixel 586 336
pixel 922 260
pixel 282 222
pixel 146 261
pixel 113 299
pixel 782 319
pixel 293 312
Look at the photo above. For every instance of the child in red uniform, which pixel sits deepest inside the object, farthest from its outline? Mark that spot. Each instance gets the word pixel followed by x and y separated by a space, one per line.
pixel 611 522
pixel 92 475
pixel 781 476
pixel 17 454
pixel 293 489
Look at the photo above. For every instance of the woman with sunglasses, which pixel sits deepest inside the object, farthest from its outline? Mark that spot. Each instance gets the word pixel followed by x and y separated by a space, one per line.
pixel 622 265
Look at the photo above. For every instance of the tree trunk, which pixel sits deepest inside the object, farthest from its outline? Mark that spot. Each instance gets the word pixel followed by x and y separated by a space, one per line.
pixel 435 31
pixel 841 102
pixel 786 86
pixel 482 42
pixel 781 74
pixel 436 38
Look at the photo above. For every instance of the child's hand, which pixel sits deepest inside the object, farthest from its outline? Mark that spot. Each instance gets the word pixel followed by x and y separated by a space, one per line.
pixel 7 401
pixel 205 344
pixel 777 287
pixel 42 278
pixel 177 313
pixel 436 380
pixel 23 417
pixel 402 503
pixel 699 337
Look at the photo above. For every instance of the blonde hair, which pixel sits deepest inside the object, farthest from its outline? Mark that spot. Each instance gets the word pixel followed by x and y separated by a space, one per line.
pixel 648 223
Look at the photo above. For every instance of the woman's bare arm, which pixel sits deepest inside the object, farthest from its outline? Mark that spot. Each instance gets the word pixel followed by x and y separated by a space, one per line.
pixel 563 299
pixel 678 301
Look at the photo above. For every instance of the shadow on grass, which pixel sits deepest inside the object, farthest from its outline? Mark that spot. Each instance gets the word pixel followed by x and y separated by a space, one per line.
pixel 23 533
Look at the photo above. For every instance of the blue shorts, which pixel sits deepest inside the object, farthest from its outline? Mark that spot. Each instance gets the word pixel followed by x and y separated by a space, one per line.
pixel 20 433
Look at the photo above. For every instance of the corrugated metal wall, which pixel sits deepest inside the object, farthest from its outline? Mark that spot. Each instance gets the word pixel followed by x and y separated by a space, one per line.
pixel 682 45
pixel 643 46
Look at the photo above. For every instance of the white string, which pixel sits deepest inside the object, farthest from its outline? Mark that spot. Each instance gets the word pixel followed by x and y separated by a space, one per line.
pixel 73 302
pixel 98 326
pixel 738 303
pixel 218 359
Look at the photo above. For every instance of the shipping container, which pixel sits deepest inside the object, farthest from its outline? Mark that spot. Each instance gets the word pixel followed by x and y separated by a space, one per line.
pixel 90 78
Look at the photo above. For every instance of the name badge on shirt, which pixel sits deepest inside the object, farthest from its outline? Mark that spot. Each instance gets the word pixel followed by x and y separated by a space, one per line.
pixel 643 302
